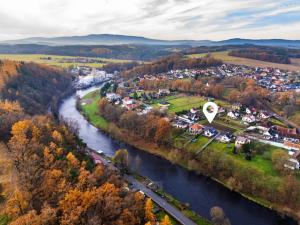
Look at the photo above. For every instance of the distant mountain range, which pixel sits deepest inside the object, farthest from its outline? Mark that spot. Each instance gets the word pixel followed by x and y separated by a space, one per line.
pixel 109 39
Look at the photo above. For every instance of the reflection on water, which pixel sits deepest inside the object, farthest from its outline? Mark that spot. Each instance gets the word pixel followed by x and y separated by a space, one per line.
pixel 199 192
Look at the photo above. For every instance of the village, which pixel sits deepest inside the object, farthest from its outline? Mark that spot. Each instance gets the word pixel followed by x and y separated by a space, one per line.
pixel 275 80
pixel 235 124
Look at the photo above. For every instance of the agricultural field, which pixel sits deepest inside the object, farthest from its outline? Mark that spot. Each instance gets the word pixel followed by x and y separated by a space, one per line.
pixel 89 105
pixel 295 66
pixel 57 60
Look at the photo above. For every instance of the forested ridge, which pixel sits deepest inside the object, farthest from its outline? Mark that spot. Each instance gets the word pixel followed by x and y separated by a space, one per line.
pixel 49 176
pixel 133 52
pixel 172 62
pixel 263 54
pixel 34 86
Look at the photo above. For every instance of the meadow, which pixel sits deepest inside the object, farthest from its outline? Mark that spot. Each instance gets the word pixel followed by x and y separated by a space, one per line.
pixel 57 60
pixel 179 103
pixel 295 66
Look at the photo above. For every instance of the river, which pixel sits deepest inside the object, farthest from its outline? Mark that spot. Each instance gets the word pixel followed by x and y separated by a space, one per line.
pixel 199 192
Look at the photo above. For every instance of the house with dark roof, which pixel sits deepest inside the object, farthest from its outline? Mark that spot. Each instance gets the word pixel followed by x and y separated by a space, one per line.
pixel 210 132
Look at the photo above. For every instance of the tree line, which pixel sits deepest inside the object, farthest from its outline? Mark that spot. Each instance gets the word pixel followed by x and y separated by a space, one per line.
pixel 261 54
pixel 56 180
pixel 155 130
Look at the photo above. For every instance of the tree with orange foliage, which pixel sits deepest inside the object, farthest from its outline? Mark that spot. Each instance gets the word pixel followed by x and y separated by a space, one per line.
pixel 57 136
pixel 10 113
pixel 234 96
pixel 162 131
pixel 74 204
pixel 73 160
pixel 149 216
pixel 165 221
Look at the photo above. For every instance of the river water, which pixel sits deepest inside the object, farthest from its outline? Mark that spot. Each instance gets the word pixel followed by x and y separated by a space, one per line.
pixel 199 192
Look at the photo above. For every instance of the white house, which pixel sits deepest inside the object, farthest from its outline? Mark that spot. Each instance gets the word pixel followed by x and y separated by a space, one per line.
pixel 225 138
pixel 249 119
pixel 248 111
pixel 112 97
pixel 292 164
pixel 264 115
pixel 233 115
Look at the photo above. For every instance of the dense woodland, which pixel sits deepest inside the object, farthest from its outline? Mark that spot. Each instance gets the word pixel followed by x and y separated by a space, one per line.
pixel 34 86
pixel 134 52
pixel 53 180
pixel 263 55
pixel 173 62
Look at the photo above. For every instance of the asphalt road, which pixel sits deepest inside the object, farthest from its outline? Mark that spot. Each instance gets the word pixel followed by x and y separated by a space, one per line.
pixel 160 201
pixel 149 193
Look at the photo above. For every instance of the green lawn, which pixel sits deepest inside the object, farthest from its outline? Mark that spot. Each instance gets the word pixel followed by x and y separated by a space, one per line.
pixel 185 103
pixel 182 102
pixel 198 144
pixel 56 60
pixel 262 162
pixel 91 110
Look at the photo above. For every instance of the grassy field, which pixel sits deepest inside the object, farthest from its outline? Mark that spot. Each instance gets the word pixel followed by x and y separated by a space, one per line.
pixel 56 60
pixel 89 105
pixel 182 102
pixel 295 66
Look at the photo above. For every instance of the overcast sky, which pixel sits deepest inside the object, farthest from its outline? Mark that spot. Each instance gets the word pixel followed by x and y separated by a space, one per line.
pixel 161 19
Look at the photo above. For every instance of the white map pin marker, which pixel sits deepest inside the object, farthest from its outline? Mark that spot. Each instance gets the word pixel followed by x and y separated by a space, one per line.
pixel 210 115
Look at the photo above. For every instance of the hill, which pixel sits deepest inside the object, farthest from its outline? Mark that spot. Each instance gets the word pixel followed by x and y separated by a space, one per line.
pixel 102 39
pixel 34 86
pixel 127 52
pixel 110 39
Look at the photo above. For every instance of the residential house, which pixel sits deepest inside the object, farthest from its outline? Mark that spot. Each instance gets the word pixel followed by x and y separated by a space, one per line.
pixel 292 164
pixel 221 111
pixel 233 115
pixel 112 97
pixel 226 138
pixel 286 132
pixel 236 107
pixel 180 124
pixel 249 119
pixel 264 115
pixel 196 128
pixel 193 114
pixel 163 92
pixel 210 132
pixel 127 101
pixel 248 111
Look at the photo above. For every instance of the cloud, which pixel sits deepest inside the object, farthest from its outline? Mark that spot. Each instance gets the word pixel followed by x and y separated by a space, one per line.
pixel 168 19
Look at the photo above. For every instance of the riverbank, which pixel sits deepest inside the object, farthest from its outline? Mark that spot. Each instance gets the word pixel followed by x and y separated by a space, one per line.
pixel 152 148
pixel 114 132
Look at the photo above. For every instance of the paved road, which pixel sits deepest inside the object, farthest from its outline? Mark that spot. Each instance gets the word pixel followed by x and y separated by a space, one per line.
pixel 273 143
pixel 148 192
pixel 161 202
